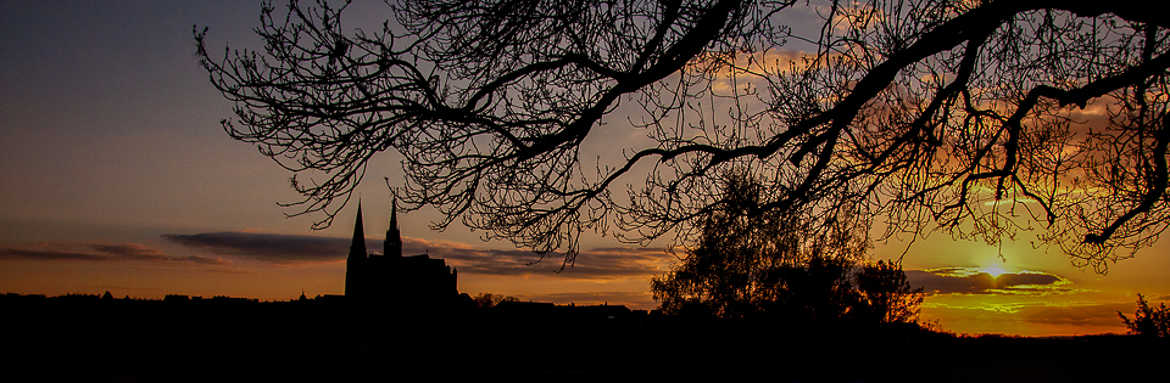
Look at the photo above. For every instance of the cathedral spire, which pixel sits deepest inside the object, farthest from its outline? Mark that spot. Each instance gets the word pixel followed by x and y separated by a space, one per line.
pixel 394 213
pixel 358 246
pixel 393 245
pixel 357 257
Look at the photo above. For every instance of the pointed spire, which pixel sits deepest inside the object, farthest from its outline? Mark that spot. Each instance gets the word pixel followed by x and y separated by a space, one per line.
pixel 358 246
pixel 392 246
pixel 394 213
pixel 354 281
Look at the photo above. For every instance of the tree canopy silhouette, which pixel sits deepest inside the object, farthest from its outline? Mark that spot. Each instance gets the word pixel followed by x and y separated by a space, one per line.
pixel 886 295
pixel 752 263
pixel 980 118
pixel 1153 322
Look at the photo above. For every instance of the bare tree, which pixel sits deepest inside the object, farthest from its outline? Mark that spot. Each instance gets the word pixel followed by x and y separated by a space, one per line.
pixel 980 118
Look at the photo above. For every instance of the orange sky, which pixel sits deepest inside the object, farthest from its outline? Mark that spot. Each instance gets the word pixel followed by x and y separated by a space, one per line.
pixel 116 176
pixel 1033 294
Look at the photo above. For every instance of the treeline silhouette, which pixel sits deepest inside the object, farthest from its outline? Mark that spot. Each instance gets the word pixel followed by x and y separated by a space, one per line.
pixel 328 338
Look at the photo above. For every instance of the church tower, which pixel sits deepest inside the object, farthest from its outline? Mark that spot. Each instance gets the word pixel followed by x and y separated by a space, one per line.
pixel 415 283
pixel 393 245
pixel 357 258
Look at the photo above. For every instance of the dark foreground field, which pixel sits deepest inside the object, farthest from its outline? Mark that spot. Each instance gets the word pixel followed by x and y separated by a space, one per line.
pixel 241 341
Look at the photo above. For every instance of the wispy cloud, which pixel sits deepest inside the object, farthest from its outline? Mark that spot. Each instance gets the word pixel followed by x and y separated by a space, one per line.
pixel 1101 314
pixel 98 252
pixel 598 263
pixel 273 248
pixel 1030 319
pixel 968 280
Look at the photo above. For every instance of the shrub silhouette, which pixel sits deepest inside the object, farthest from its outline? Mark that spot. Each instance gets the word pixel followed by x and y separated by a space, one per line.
pixel 1148 321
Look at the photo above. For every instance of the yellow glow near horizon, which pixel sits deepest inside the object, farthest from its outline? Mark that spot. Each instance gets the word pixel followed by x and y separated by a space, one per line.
pixel 994 270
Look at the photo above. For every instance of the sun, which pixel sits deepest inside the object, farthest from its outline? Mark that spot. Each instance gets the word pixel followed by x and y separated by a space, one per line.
pixel 995 271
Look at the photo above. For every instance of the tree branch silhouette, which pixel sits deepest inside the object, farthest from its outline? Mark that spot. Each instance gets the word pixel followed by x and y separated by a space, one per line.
pixel 982 119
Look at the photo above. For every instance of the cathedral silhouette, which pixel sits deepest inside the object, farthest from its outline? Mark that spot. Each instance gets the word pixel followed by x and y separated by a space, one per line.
pixel 391 278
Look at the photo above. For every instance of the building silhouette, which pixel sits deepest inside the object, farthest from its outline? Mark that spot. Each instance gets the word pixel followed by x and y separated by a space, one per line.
pixel 391 278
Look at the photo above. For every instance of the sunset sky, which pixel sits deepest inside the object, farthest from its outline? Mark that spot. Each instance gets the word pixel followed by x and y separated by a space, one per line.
pixel 117 177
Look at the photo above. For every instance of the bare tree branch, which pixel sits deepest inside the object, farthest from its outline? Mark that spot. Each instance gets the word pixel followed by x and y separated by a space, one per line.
pixel 977 118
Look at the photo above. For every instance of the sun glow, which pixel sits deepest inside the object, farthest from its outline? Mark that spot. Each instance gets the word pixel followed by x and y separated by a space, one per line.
pixel 995 270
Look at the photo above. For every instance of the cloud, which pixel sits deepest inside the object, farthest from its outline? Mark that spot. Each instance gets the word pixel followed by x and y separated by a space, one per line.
pixel 98 252
pixel 598 263
pixel 1008 280
pixel 1030 319
pixel 968 280
pixel 855 16
pixel 274 248
pixel 749 67
pixel 1079 315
